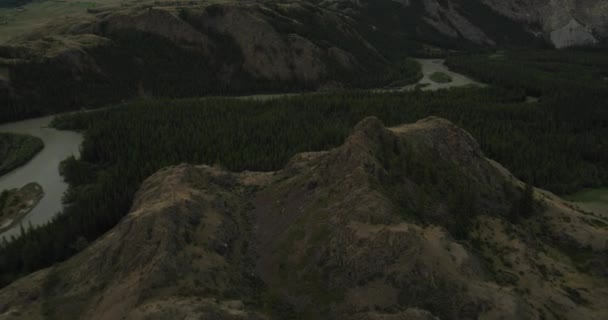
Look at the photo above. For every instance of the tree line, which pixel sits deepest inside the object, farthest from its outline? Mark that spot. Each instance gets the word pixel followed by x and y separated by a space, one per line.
pixel 549 144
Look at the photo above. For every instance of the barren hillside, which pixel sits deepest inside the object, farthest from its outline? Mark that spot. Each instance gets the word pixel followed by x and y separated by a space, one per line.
pixel 411 222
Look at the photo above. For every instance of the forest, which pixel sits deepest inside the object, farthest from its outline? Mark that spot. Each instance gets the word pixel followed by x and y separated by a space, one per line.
pixel 16 150
pixel 13 3
pixel 557 143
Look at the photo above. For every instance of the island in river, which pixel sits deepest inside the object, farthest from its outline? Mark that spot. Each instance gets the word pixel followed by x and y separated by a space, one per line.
pixel 15 204
pixel 43 168
pixel 17 149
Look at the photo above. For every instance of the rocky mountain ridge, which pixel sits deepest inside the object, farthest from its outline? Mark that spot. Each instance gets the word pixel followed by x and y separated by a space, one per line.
pixel 411 222
pixel 562 23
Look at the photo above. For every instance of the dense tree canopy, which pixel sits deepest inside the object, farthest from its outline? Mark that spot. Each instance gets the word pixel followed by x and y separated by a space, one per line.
pixel 16 150
pixel 557 143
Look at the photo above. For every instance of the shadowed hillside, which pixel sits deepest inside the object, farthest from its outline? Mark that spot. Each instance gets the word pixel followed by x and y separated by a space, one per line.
pixel 97 53
pixel 411 222
pixel 168 50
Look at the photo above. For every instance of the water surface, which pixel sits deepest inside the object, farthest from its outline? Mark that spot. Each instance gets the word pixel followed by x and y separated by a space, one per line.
pixel 43 168
pixel 430 66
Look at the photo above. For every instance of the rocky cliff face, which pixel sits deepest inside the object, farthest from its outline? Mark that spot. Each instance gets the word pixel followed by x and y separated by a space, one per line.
pixel 563 23
pixel 411 222
pixel 567 22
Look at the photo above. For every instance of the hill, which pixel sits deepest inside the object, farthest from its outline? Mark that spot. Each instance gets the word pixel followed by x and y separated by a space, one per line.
pixel 174 50
pixel 410 222
pixel 71 55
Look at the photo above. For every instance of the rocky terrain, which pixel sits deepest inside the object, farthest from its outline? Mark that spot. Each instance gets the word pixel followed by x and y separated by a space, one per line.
pixel 16 203
pixel 568 22
pixel 411 222
pixel 562 23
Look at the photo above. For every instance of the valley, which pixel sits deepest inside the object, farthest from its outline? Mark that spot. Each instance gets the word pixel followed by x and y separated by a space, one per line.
pixel 300 227
pixel 338 159
pixel 116 51
pixel 127 144
pixel 61 146
pixel 437 66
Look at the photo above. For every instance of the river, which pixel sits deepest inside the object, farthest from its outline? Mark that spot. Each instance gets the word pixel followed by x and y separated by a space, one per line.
pixel 430 66
pixel 58 145
pixel 43 168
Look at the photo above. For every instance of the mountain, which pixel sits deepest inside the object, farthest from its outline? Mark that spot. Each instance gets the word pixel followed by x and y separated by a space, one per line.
pixel 186 48
pixel 410 222
pixel 169 50
pixel 562 23
pixel 566 22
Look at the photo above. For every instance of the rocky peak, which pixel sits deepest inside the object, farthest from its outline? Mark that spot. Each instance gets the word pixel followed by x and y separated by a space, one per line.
pixel 563 23
pixel 370 230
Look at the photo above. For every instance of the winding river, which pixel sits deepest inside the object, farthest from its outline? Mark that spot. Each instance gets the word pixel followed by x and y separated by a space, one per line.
pixel 43 168
pixel 58 145
pixel 430 66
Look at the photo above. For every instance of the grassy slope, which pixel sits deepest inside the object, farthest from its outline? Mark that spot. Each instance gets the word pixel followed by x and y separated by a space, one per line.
pixel 594 200
pixel 17 150
pixel 590 195
pixel 15 23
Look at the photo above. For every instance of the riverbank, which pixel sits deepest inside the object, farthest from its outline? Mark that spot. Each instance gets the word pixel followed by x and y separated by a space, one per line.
pixel 15 204
pixel 42 168
pixel 431 67
pixel 60 145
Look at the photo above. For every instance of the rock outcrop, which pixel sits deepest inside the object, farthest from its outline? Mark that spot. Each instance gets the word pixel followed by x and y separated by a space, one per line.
pixel 563 23
pixel 411 222
pixel 566 22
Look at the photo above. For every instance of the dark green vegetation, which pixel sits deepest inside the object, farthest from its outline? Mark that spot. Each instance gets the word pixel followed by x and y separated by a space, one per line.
pixel 440 77
pixel 566 78
pixel 403 73
pixel 571 84
pixel 441 182
pixel 13 3
pixel 590 195
pixel 16 150
pixel 125 145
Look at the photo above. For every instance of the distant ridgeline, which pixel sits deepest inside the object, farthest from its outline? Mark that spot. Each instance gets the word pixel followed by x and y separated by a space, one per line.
pixel 188 50
pixel 197 50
